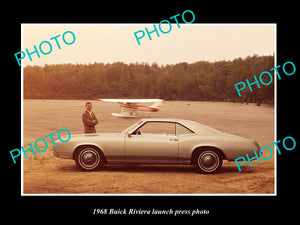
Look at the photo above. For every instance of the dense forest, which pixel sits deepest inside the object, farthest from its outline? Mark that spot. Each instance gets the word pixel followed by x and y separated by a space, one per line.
pixel 213 81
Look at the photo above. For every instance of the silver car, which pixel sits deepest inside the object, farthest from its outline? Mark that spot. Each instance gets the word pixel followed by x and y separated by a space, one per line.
pixel 157 141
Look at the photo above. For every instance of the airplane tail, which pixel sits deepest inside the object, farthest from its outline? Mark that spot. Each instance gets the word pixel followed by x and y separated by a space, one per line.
pixel 157 105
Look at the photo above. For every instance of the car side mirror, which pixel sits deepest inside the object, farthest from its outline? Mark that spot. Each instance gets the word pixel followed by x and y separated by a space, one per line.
pixel 129 134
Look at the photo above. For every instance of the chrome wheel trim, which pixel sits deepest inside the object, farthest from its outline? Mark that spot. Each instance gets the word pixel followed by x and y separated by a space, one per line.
pixel 89 158
pixel 208 161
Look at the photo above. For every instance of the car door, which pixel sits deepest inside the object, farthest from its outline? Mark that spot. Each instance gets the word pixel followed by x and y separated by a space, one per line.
pixel 153 142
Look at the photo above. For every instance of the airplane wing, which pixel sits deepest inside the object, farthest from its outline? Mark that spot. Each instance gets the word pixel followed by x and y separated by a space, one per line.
pixel 130 100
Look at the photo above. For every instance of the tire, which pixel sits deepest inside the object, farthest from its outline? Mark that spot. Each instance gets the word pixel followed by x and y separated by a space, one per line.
pixel 89 158
pixel 208 161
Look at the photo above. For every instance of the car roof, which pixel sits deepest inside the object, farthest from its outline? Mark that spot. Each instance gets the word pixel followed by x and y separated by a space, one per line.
pixel 193 125
pixel 165 120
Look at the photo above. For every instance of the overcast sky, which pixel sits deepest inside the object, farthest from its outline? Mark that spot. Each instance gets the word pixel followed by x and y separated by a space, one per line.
pixel 108 43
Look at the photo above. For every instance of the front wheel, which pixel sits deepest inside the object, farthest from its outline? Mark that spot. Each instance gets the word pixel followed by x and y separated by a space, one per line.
pixel 89 158
pixel 208 161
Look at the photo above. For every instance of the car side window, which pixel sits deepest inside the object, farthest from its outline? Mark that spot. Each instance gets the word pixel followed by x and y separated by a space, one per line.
pixel 181 130
pixel 157 128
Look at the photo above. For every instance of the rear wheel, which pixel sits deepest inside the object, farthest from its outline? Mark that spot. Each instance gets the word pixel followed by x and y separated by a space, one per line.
pixel 89 158
pixel 208 161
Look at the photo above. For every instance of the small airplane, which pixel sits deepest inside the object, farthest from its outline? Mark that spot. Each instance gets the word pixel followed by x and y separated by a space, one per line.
pixel 131 107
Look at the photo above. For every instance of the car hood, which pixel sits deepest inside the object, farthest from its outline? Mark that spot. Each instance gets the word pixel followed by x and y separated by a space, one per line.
pixel 98 135
pixel 95 136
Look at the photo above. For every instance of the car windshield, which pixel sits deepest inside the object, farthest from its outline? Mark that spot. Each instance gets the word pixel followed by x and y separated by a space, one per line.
pixel 131 127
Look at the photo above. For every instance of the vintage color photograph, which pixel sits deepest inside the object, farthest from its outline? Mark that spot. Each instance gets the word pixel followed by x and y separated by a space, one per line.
pixel 162 117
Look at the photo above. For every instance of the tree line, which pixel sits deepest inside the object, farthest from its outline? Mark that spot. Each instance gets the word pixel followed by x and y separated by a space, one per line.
pixel 208 81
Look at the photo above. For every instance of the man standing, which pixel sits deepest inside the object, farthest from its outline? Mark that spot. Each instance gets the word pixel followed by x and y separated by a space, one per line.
pixel 89 119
